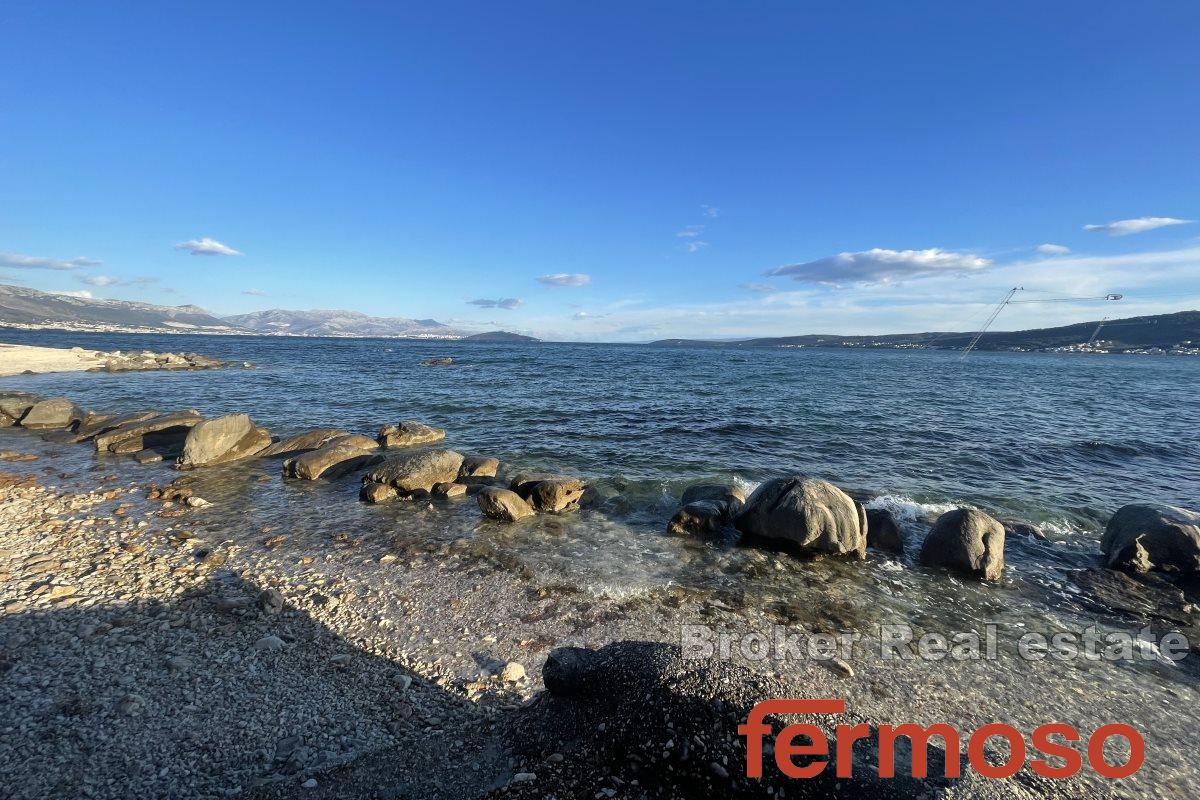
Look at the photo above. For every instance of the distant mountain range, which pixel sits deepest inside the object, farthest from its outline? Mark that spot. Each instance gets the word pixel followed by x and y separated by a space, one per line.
pixel 1179 332
pixel 339 323
pixel 31 309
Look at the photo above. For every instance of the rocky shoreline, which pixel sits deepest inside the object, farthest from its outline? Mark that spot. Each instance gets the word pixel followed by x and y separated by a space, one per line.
pixel 142 648
pixel 28 360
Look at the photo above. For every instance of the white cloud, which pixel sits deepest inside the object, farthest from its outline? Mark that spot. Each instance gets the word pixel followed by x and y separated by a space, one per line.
pixel 99 280
pixel 207 247
pixel 565 279
pixel 18 261
pixel 1052 249
pixel 509 303
pixel 879 265
pixel 711 212
pixel 108 280
pixel 1124 227
pixel 761 288
pixel 83 294
pixel 691 231
pixel 696 245
pixel 255 293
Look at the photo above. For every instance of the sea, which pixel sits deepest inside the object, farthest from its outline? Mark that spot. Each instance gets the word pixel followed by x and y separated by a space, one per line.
pixel 1059 441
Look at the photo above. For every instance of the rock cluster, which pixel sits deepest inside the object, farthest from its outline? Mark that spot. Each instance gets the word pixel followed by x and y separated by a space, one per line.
pixel 117 361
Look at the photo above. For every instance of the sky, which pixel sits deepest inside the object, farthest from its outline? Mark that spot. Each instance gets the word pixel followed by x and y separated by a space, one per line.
pixel 609 171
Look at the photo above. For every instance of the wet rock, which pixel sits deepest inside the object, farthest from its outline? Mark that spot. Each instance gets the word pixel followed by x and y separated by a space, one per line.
pixel 165 429
pixel 409 433
pixel 479 467
pixel 548 492
pixel 968 541
pixel 311 440
pixel 14 405
pixel 147 457
pixel 700 518
pixel 1141 537
pixel 377 493
pixel 734 497
pixel 1142 596
pixel 416 474
pixel 883 532
pixel 222 440
pixel 806 515
pixel 441 361
pixel 95 425
pixel 55 412
pixel 339 457
pixel 449 489
pixel 503 505
pixel 1013 528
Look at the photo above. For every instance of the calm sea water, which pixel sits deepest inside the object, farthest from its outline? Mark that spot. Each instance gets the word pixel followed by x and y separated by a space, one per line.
pixel 1048 437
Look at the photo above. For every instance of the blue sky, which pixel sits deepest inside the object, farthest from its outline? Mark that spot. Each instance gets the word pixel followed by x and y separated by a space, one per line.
pixel 616 171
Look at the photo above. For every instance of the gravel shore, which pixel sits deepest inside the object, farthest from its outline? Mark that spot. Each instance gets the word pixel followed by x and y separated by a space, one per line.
pixel 147 652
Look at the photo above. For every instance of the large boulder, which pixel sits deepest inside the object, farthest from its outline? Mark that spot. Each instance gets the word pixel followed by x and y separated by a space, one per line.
pixel 416 474
pixel 547 492
pixel 54 412
pixel 966 540
pixel 339 457
pixel 222 440
pixel 168 429
pixel 883 531
pixel 503 505
pixel 807 515
pixel 310 440
pixel 1143 537
pixel 13 406
pixel 409 433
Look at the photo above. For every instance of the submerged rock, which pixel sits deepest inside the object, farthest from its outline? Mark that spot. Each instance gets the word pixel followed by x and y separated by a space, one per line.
pixel 811 516
pixel 419 472
pixel 54 412
pixel 222 440
pixel 409 433
pixel 440 361
pixel 966 540
pixel 503 505
pixel 1143 537
pixel 337 458
pixel 700 518
pixel 883 532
